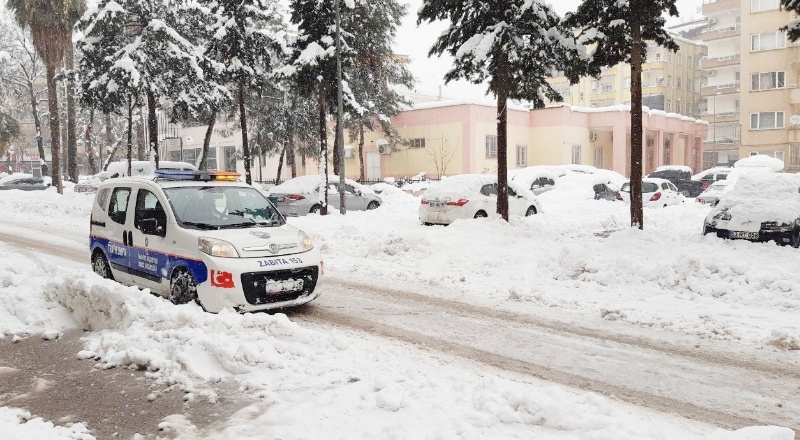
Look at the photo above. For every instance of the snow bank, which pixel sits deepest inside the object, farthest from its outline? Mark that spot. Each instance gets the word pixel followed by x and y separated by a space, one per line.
pixel 20 424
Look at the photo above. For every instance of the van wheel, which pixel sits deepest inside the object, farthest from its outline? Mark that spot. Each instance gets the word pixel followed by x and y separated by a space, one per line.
pixel 182 287
pixel 531 211
pixel 100 265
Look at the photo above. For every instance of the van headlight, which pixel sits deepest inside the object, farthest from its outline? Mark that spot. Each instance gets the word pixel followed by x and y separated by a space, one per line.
pixel 305 241
pixel 216 248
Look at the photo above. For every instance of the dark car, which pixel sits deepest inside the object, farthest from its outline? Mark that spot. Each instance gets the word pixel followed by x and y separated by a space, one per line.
pixel 24 182
pixel 604 192
pixel 683 180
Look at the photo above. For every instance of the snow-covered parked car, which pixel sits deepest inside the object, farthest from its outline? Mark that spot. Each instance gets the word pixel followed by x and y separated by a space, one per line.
pixel 300 196
pixel 468 196
pixel 656 193
pixel 536 178
pixel 24 182
pixel 761 207
pixel 90 184
pixel 713 193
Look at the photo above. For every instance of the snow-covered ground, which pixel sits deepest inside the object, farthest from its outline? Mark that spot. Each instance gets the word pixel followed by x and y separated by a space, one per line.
pixel 576 260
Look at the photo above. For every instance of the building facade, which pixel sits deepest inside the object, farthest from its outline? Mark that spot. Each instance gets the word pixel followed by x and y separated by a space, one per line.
pixel 670 81
pixel 751 89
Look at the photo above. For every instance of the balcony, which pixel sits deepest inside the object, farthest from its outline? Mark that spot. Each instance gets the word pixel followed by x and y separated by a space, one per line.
pixel 712 6
pixel 720 89
pixel 721 31
pixel 722 116
pixel 711 62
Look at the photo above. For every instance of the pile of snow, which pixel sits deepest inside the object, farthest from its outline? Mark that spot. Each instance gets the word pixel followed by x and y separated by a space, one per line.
pixel 20 424
pixel 575 186
pixel 681 168
pixel 760 161
pixel 461 186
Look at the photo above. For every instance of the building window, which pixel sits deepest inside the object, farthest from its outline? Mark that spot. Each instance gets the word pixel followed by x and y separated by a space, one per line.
pixel 778 155
pixel 690 61
pixel 230 158
pixel 678 83
pixel 594 84
pixel 598 157
pixel 491 146
pixel 768 80
pixel 794 155
pixel 522 155
pixel 627 82
pixel 668 106
pixel 576 154
pixel 763 5
pixel 766 120
pixel 418 143
pixel 768 41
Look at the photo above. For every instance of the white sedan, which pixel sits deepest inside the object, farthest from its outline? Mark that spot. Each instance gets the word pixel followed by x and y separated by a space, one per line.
pixel 656 193
pixel 469 196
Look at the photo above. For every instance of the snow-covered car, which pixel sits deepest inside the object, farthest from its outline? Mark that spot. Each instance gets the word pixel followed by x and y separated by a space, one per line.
pixel 536 178
pixel 761 207
pixel 467 196
pixel 90 184
pixel 656 193
pixel 23 182
pixel 201 236
pixel 300 196
pixel 712 194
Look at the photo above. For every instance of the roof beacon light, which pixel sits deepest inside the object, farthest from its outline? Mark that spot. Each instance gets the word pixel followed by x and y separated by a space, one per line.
pixel 225 176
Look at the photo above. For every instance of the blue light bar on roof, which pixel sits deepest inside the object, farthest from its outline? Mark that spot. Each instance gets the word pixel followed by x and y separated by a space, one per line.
pixel 169 174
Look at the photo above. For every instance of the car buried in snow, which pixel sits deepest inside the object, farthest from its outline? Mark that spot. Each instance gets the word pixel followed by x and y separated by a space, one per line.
pixel 761 207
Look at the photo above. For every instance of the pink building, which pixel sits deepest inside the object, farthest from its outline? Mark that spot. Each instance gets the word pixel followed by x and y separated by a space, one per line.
pixel 455 137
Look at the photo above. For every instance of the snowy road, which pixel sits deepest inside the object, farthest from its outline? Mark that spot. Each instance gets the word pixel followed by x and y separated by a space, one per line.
pixel 710 382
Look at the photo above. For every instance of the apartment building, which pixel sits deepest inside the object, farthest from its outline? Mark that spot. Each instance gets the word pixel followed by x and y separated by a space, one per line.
pixel 751 89
pixel 670 81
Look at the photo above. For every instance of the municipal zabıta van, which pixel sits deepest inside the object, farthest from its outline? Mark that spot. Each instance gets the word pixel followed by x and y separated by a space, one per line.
pixel 201 236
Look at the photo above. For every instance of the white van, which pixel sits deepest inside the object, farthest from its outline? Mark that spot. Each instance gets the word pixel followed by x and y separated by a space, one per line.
pixel 201 236
pixel 145 168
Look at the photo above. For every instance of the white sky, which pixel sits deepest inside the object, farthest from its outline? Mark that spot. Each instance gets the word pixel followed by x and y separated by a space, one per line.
pixel 666 283
pixel 417 41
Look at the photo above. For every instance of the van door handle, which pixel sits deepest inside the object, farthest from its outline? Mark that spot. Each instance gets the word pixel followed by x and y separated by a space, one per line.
pixel 130 238
pixel 125 238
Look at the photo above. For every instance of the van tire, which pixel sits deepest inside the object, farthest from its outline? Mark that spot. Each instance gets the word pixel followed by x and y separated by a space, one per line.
pixel 182 287
pixel 531 211
pixel 100 265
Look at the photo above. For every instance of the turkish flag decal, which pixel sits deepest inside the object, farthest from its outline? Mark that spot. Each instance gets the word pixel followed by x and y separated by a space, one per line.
pixel 221 279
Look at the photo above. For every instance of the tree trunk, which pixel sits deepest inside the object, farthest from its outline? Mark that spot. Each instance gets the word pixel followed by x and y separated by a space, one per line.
pixel 502 135
pixel 637 212
pixel 130 137
pixel 280 166
pixel 290 145
pixel 207 140
pixel 88 143
pixel 37 123
pixel 336 148
pixel 72 132
pixel 109 142
pixel 141 144
pixel 323 152
pixel 361 173
pixel 243 122
pixel 152 125
pixel 55 127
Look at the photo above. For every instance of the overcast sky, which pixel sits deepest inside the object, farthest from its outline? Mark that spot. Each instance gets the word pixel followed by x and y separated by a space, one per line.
pixel 416 41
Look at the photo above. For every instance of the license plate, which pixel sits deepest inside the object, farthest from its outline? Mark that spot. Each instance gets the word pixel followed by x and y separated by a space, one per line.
pixel 744 235
pixel 276 287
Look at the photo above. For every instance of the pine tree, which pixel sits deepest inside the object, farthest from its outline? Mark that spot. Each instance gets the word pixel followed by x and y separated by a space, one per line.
pixel 249 37
pixel 619 31
pixel 515 45
pixel 373 26
pixel 793 28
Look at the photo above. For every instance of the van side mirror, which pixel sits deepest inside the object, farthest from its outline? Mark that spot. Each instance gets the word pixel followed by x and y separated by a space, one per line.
pixel 150 226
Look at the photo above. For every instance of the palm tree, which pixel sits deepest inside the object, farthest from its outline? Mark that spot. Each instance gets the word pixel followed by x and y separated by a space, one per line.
pixel 50 23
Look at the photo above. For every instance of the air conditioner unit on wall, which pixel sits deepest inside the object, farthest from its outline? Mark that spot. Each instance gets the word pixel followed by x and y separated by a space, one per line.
pixel 712 72
pixel 712 21
pixel 349 153
pixel 384 149
pixel 593 136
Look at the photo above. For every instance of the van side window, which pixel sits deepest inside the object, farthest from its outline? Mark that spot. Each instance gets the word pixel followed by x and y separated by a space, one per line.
pixel 148 207
pixel 119 204
pixel 102 198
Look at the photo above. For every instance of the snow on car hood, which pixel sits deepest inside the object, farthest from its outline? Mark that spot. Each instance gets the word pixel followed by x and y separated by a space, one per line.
pixel 256 242
pixel 761 197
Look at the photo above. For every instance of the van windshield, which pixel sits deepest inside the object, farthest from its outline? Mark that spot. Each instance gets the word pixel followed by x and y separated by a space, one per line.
pixel 222 207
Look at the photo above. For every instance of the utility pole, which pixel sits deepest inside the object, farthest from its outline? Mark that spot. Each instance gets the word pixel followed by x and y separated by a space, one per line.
pixel 339 128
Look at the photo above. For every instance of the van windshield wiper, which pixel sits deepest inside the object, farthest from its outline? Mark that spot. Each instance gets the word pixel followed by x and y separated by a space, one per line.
pixel 200 225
